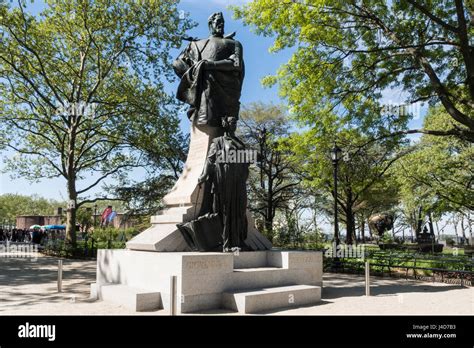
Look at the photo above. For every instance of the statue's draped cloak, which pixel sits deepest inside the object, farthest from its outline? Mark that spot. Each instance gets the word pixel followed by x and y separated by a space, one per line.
pixel 211 94
pixel 228 190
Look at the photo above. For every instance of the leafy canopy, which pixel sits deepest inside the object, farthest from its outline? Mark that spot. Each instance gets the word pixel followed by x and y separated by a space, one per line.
pixel 81 87
pixel 348 53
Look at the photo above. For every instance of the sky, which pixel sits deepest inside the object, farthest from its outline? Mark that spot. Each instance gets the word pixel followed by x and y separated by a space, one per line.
pixel 258 62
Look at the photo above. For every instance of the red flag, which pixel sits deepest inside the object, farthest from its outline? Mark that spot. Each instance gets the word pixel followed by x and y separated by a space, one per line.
pixel 105 214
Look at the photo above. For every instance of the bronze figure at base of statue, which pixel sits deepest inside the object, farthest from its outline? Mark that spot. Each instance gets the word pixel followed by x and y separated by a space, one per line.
pixel 212 72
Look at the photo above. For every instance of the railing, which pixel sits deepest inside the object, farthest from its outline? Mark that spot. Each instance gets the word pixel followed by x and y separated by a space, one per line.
pixel 385 262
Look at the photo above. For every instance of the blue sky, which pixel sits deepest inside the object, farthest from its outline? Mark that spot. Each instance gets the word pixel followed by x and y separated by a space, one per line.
pixel 259 62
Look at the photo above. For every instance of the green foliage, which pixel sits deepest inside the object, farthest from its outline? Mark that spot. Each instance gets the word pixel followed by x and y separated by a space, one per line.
pixel 100 238
pixel 438 174
pixel 12 205
pixel 274 179
pixel 104 234
pixel 395 262
pixel 364 179
pixel 347 53
pixel 387 238
pixel 107 57
pixel 82 90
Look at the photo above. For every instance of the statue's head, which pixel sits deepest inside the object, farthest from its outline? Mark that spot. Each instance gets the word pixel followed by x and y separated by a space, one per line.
pixel 216 24
pixel 229 124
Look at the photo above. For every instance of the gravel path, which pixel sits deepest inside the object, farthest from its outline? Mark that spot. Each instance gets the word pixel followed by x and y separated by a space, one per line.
pixel 28 286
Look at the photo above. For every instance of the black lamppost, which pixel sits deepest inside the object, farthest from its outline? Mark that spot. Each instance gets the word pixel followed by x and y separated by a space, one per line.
pixel 95 226
pixel 262 140
pixel 95 215
pixel 335 156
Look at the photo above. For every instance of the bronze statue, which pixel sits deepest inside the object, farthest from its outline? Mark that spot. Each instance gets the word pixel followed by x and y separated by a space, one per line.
pixel 380 223
pixel 227 177
pixel 211 72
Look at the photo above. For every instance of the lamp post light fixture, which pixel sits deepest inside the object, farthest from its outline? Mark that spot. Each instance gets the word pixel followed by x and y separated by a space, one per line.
pixel 336 153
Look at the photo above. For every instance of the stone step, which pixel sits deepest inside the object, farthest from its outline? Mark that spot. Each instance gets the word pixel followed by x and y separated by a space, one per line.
pixel 250 259
pixel 248 278
pixel 166 219
pixel 257 269
pixel 133 298
pixel 262 299
pixel 175 210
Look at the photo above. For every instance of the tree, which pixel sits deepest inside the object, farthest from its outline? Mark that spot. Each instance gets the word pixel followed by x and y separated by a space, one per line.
pixel 382 197
pixel 298 224
pixel 437 177
pixel 347 53
pixel 164 165
pixel 78 82
pixel 12 205
pixel 363 172
pixel 273 181
pixel 439 172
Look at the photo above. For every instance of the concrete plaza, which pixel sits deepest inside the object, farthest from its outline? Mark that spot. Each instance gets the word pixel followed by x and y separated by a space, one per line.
pixel 28 286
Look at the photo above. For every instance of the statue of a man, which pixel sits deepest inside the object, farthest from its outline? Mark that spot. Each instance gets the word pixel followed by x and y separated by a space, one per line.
pixel 211 72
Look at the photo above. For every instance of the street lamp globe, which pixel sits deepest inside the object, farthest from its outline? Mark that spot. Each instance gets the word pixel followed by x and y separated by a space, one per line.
pixel 336 153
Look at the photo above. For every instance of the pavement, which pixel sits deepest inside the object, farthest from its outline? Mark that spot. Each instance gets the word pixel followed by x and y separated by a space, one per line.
pixel 28 286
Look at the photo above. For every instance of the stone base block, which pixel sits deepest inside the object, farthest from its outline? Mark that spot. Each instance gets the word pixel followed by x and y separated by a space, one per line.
pixel 204 278
pixel 258 300
pixel 137 299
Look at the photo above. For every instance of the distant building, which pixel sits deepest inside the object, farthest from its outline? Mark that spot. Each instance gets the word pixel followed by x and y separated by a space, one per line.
pixel 120 220
pixel 25 221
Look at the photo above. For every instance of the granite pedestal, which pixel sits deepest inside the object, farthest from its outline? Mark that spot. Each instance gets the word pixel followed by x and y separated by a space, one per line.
pixel 247 282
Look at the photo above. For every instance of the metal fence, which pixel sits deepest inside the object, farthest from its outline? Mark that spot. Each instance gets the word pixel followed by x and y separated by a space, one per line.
pixel 421 265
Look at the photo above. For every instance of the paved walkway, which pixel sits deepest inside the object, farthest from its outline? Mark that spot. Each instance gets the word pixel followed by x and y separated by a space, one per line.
pixel 28 286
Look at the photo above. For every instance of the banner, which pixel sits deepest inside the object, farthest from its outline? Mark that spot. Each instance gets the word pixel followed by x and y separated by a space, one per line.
pixel 111 216
pixel 105 215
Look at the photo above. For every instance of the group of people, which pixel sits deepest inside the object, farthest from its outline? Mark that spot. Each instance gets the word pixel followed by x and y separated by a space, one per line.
pixel 21 235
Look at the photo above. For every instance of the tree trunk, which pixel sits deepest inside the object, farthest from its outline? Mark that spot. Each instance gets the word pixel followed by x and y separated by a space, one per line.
pixel 269 213
pixel 71 185
pixel 431 224
pixel 469 223
pixel 419 224
pixel 71 213
pixel 463 230
pixel 456 229
pixel 350 225
pixel 362 229
pixel 370 231
pixel 350 218
pixel 71 226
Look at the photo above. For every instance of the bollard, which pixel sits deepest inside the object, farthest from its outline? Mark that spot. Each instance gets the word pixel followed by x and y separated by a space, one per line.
pixel 60 275
pixel 367 278
pixel 173 295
